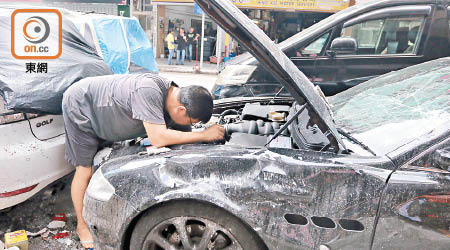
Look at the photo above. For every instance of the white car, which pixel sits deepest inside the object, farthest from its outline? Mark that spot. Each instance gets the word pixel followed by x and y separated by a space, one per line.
pixel 31 154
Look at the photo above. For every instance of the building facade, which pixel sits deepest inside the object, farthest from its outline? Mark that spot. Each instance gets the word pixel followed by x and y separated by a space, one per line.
pixel 282 19
pixel 279 19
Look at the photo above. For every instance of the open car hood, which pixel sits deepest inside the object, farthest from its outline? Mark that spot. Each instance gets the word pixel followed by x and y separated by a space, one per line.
pixel 233 21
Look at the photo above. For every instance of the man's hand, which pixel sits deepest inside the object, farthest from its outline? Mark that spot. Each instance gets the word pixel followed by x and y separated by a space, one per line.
pixel 160 136
pixel 214 133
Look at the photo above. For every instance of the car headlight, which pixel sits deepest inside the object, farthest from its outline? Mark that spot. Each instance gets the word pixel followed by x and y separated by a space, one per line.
pixel 99 187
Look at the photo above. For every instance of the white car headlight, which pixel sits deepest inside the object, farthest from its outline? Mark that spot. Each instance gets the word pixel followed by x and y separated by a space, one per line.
pixel 99 187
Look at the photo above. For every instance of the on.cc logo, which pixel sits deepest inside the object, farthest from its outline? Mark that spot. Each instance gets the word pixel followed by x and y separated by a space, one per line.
pixel 37 25
pixel 36 34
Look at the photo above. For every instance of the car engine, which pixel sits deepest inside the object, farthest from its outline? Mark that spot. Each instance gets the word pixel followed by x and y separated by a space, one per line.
pixel 255 125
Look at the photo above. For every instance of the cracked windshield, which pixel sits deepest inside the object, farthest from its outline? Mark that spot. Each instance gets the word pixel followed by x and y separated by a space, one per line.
pixel 406 103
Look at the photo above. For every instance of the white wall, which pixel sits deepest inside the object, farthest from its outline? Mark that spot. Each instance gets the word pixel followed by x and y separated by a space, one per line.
pixel 363 1
pixel 186 13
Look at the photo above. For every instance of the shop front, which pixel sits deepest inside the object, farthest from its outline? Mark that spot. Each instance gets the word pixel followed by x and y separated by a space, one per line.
pixel 281 19
pixel 174 15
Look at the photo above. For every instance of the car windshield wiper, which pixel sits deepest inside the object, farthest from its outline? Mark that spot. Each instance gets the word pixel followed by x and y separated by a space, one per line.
pixel 275 96
pixel 354 140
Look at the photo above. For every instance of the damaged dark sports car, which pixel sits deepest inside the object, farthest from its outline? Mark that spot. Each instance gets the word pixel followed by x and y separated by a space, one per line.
pixel 366 169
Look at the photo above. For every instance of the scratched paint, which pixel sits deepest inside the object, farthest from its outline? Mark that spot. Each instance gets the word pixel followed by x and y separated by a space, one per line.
pixel 260 185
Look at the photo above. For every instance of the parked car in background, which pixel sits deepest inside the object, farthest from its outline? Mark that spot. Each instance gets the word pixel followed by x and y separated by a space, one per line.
pixel 290 174
pixel 353 46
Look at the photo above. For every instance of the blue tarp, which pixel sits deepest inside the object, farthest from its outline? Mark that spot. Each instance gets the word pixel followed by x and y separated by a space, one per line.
pixel 198 10
pixel 111 40
pixel 123 42
pixel 140 47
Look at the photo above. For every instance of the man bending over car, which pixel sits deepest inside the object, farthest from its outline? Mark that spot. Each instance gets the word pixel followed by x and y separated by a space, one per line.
pixel 121 107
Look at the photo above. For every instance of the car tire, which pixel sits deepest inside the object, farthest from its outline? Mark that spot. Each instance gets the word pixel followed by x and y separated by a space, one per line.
pixel 163 220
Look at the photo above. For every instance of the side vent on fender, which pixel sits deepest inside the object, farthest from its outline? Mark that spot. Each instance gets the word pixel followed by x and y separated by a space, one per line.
pixel 324 222
pixel 352 225
pixel 296 219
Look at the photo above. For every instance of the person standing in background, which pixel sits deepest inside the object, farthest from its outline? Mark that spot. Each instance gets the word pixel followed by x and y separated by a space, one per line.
pixel 170 39
pixel 181 48
pixel 192 39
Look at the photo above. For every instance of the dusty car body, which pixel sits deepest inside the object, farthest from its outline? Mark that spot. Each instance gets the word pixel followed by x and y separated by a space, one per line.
pixel 368 181
pixel 32 154
pixel 389 35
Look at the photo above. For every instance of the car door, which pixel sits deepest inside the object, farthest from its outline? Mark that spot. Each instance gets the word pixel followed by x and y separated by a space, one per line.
pixel 305 54
pixel 415 211
pixel 329 203
pixel 388 39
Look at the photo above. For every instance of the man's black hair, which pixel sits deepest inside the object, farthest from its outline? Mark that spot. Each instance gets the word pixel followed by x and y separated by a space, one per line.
pixel 198 102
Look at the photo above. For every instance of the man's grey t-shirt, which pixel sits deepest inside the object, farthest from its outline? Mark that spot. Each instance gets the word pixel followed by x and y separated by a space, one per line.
pixel 116 105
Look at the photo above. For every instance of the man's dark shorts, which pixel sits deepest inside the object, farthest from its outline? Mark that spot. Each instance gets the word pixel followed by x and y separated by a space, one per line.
pixel 81 141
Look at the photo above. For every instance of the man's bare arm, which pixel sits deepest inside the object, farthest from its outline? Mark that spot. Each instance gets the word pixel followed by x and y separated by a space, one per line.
pixel 160 136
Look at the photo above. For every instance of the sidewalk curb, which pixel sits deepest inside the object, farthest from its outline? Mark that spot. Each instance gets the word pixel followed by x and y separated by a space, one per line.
pixel 185 70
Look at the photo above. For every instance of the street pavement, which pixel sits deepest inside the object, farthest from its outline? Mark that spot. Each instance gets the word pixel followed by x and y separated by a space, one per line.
pixel 188 67
pixel 35 213
pixel 185 79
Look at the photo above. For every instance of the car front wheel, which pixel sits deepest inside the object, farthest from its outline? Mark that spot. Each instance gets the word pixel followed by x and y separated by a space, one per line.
pixel 192 225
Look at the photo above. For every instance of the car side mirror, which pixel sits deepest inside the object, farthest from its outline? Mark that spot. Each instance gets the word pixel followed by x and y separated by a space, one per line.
pixel 343 46
pixel 442 158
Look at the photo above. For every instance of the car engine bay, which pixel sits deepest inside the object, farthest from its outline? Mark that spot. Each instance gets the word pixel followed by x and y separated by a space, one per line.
pixel 255 125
